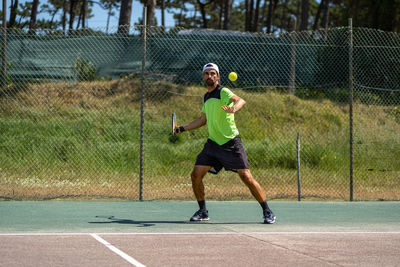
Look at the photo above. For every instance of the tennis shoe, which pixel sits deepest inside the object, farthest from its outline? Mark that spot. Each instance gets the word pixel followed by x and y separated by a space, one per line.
pixel 269 217
pixel 200 215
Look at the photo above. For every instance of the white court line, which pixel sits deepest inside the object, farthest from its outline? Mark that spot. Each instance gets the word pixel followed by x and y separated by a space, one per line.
pixel 117 251
pixel 197 233
pixel 43 234
pixel 249 233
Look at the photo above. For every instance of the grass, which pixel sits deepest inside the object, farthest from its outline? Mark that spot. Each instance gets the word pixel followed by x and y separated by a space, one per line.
pixel 63 139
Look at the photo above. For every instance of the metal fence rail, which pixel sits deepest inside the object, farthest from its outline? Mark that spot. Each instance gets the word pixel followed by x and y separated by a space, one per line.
pixel 71 114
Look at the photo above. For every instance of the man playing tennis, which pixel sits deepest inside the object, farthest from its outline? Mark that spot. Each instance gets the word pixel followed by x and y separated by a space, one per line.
pixel 224 147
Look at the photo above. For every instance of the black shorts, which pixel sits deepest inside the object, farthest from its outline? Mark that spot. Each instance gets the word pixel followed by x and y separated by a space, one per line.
pixel 230 155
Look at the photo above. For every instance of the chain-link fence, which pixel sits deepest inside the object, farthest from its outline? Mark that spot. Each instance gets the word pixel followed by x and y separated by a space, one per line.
pixel 89 114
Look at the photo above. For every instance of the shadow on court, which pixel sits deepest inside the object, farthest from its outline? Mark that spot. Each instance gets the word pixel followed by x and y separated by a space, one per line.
pixel 112 219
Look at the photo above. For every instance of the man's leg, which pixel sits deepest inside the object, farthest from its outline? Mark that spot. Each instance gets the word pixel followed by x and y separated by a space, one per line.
pixel 252 184
pixel 197 176
pixel 258 193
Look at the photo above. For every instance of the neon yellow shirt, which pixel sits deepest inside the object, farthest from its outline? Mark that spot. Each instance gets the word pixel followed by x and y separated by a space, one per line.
pixel 221 125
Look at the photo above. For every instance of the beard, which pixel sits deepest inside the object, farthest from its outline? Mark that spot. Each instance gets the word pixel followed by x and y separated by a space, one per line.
pixel 210 82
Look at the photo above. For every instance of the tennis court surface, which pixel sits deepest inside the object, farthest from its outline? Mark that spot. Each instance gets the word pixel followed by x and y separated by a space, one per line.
pixel 94 233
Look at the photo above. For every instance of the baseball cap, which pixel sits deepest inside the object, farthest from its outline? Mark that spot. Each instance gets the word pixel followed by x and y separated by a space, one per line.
pixel 212 66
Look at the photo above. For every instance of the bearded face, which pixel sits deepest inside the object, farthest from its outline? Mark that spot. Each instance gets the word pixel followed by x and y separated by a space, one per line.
pixel 211 77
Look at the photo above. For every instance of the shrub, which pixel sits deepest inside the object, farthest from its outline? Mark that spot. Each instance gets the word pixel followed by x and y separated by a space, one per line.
pixel 85 70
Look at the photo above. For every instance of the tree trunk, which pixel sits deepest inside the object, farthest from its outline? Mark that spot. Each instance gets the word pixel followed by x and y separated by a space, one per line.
pixel 64 16
pixel 304 15
pixel 13 13
pixel 263 16
pixel 298 14
pixel 325 18
pixel 72 6
pixel 32 22
pixel 125 12
pixel 203 12
pixel 250 15
pixel 227 15
pixel 78 24
pixel 246 21
pixel 271 10
pixel 221 13
pixel 162 13
pixel 83 14
pixel 256 16
pixel 316 20
pixel 151 9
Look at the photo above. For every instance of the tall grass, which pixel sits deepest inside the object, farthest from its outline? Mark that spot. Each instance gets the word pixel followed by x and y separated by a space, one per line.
pixel 90 132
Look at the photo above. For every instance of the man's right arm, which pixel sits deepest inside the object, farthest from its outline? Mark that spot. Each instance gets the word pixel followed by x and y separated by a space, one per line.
pixel 197 123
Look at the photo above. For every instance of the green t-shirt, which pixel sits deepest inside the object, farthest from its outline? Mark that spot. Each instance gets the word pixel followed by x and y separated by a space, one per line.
pixel 221 125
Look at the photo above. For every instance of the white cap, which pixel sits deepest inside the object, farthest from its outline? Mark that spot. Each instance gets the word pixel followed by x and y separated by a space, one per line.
pixel 211 66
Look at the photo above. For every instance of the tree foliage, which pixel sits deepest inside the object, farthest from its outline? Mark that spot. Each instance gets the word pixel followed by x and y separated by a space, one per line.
pixel 271 16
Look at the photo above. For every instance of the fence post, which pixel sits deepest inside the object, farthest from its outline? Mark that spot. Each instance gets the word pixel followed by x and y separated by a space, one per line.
pixel 4 48
pixel 144 33
pixel 351 89
pixel 292 78
pixel 298 168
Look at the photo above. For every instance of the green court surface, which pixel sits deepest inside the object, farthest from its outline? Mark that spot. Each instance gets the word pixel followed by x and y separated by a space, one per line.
pixel 172 217
pixel 93 233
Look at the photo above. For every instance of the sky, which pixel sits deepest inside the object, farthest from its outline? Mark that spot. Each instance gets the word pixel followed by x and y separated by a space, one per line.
pixel 100 15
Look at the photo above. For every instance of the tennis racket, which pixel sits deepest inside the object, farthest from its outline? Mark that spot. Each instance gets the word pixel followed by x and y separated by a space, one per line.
pixel 174 123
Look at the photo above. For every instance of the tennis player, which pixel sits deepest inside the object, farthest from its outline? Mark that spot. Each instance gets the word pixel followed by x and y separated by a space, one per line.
pixel 224 148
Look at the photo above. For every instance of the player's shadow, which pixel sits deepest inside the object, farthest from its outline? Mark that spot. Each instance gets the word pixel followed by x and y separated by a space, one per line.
pixel 142 223
pixel 112 219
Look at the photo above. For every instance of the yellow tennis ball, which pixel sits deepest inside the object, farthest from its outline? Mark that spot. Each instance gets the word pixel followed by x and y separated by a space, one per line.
pixel 233 76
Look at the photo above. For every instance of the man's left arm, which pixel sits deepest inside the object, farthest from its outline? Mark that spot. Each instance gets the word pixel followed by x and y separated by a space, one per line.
pixel 238 103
